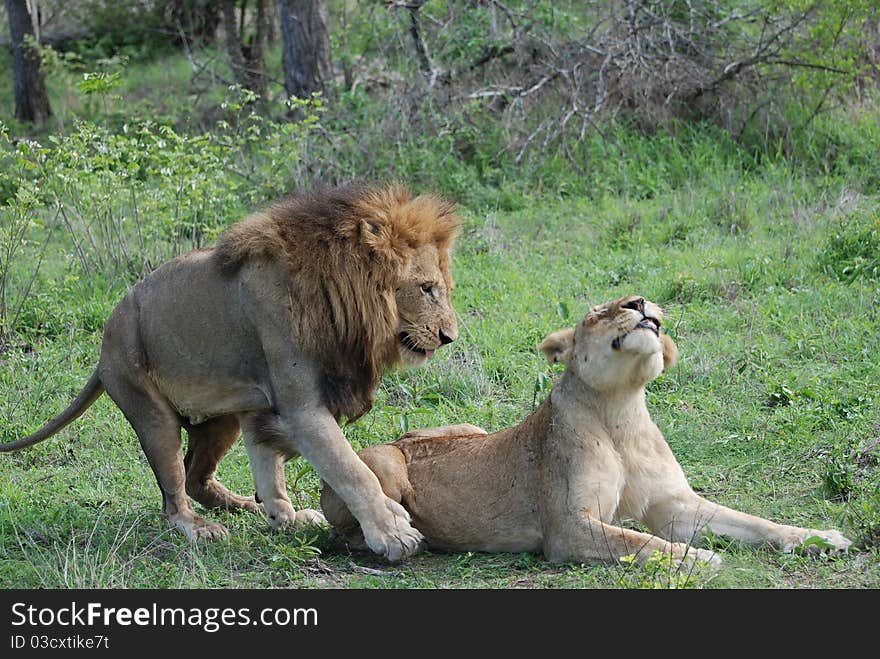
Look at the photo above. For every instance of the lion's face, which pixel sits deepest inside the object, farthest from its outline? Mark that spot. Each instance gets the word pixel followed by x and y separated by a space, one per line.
pixel 424 306
pixel 618 344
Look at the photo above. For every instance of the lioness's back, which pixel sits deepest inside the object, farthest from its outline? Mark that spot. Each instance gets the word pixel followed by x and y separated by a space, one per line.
pixel 470 492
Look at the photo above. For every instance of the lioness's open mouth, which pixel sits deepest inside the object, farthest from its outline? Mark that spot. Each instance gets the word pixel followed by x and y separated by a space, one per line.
pixel 650 323
pixel 410 345
pixel 647 323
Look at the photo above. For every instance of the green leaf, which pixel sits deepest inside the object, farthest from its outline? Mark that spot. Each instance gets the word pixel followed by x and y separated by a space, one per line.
pixel 816 541
pixel 562 310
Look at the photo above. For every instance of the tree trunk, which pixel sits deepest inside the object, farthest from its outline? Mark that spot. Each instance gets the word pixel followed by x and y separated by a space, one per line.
pixel 272 22
pixel 192 20
pixel 31 99
pixel 247 60
pixel 306 46
pixel 256 51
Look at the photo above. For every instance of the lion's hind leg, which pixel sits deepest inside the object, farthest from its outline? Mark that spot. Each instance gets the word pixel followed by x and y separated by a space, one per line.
pixel 208 443
pixel 157 426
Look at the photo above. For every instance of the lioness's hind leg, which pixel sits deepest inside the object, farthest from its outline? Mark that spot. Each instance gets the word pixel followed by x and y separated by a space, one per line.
pixel 158 428
pixel 208 443
pixel 586 539
pixel 389 465
pixel 457 430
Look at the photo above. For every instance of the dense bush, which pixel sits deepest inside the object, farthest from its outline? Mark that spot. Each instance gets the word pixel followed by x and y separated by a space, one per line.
pixel 501 106
pixel 123 202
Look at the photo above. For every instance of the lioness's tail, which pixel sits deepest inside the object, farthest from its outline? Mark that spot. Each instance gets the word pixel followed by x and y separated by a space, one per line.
pixel 80 404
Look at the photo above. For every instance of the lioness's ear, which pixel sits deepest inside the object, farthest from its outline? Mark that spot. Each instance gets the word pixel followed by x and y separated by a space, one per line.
pixel 558 347
pixel 670 351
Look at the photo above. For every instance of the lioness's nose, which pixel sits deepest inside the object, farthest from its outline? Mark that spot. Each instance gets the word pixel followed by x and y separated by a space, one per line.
pixel 444 340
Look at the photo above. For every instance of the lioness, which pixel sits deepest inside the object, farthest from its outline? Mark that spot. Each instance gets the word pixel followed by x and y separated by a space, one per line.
pixel 587 456
pixel 281 329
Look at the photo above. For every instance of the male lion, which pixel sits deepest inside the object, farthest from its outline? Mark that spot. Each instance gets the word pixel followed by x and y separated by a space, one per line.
pixel 281 329
pixel 587 456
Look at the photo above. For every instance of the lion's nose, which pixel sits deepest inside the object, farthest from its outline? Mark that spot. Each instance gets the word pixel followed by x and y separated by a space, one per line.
pixel 444 340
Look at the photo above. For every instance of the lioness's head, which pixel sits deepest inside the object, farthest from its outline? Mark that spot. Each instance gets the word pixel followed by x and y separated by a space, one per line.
pixel 618 344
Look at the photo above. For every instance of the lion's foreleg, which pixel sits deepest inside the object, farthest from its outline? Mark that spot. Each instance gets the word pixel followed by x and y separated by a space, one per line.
pixel 386 525
pixel 689 516
pixel 267 467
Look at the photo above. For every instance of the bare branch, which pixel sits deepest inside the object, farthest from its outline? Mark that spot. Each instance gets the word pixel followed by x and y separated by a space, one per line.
pixel 492 52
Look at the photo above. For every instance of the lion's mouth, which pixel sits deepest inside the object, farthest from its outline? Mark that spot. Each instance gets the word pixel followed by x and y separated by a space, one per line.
pixel 410 344
pixel 648 323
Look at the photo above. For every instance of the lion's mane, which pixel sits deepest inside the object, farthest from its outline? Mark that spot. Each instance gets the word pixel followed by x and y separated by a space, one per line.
pixel 345 250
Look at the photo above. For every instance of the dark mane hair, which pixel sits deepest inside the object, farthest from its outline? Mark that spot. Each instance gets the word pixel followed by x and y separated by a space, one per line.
pixel 345 250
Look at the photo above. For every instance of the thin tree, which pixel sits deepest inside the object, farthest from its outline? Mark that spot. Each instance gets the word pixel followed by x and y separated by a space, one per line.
pixel 192 20
pixel 306 46
pixel 247 59
pixel 31 99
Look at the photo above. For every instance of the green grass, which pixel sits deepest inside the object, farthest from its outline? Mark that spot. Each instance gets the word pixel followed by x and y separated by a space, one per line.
pixel 774 395
pixel 764 252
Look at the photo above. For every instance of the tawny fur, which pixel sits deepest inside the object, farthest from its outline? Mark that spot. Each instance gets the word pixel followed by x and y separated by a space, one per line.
pixel 280 330
pixel 561 482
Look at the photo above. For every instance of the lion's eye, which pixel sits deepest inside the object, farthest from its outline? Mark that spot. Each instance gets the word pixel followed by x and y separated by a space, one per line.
pixel 430 289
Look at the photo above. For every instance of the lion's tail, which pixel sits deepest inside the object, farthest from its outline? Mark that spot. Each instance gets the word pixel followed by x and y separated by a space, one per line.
pixel 80 404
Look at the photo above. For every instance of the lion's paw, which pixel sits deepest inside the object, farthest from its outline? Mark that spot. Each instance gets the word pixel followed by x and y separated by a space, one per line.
pixel 195 528
pixel 395 539
pixel 309 517
pixel 697 558
pixel 281 514
pixel 710 557
pixel 815 542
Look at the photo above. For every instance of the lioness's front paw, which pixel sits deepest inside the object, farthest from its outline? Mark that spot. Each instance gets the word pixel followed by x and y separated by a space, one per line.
pixel 394 537
pixel 695 556
pixel 832 542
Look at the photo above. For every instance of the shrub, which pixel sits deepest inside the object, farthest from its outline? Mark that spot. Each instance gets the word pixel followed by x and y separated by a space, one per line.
pixel 853 250
pixel 121 203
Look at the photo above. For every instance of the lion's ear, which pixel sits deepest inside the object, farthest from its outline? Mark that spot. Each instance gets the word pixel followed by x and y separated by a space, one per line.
pixel 382 241
pixel 558 347
pixel 670 351
pixel 373 236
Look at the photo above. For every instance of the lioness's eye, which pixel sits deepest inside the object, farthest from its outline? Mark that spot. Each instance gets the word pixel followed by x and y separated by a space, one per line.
pixel 635 305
